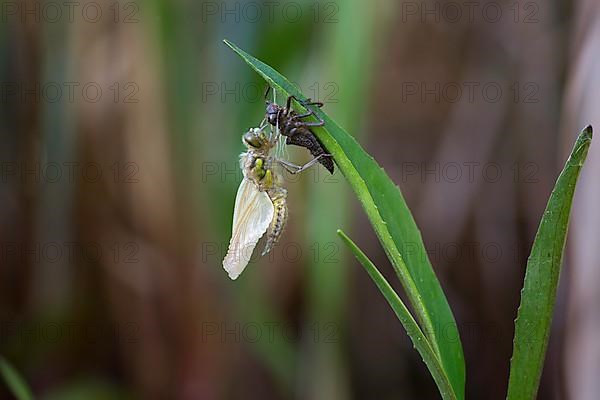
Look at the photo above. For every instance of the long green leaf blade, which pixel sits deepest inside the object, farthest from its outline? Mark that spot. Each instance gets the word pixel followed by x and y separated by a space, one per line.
pixel 14 381
pixel 532 327
pixel 420 342
pixel 395 227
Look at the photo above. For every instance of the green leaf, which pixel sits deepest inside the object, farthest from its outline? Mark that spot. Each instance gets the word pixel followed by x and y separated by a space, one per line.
pixel 415 333
pixel 14 381
pixel 395 227
pixel 532 327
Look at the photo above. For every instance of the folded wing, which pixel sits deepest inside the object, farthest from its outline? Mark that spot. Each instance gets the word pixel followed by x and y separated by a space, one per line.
pixel 252 215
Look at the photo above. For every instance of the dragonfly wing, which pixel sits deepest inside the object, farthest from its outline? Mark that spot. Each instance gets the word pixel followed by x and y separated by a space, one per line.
pixel 252 216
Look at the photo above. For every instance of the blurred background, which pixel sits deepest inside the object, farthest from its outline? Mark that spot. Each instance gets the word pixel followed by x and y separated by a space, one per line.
pixel 120 126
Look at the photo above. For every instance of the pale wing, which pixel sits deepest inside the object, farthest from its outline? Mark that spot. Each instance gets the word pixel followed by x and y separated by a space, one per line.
pixel 252 215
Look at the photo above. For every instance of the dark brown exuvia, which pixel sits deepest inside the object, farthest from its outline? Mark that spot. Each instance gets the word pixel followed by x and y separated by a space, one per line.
pixel 297 131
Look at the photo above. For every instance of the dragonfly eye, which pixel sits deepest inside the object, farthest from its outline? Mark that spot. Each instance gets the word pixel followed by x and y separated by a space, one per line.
pixel 272 115
pixel 251 138
pixel 272 108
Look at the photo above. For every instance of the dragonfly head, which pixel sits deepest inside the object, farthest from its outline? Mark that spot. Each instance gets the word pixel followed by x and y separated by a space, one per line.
pixel 272 112
pixel 255 138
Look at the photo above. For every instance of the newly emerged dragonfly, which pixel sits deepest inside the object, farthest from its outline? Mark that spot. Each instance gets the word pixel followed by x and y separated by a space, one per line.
pixel 260 203
pixel 297 132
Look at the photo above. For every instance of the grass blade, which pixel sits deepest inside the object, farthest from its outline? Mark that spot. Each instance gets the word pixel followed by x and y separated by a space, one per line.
pixel 420 342
pixel 395 227
pixel 532 327
pixel 14 381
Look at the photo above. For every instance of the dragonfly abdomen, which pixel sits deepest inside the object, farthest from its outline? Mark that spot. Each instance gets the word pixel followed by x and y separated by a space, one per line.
pixel 278 197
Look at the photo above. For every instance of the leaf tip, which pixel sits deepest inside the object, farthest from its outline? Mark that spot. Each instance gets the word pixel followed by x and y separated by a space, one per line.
pixel 588 132
pixel 232 46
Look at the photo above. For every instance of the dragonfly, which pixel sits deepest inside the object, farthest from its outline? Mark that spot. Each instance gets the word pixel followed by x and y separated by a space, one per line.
pixel 261 200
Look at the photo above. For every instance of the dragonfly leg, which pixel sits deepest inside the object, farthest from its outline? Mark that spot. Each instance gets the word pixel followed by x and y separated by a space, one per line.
pixel 296 169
